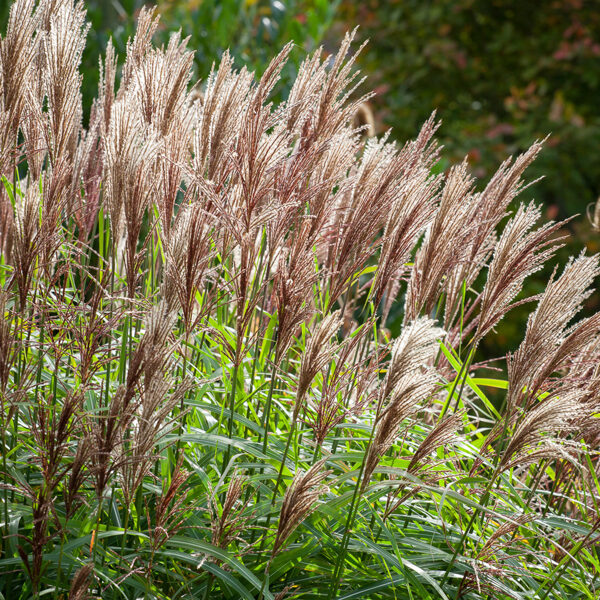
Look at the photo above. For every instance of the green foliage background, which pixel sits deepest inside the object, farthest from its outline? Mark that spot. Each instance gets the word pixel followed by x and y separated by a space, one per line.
pixel 500 74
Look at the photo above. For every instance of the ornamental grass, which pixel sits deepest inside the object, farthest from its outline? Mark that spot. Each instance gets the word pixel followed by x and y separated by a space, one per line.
pixel 239 343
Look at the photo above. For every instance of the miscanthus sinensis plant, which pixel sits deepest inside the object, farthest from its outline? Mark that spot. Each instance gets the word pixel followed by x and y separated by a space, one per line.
pixel 199 394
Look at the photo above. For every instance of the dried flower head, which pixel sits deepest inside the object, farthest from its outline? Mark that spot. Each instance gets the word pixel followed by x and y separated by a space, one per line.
pixel 299 501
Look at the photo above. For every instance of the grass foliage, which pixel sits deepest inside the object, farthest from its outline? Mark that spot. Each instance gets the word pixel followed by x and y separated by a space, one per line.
pixel 199 395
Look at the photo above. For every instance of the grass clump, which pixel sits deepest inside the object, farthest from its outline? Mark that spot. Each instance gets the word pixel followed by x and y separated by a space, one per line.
pixel 199 395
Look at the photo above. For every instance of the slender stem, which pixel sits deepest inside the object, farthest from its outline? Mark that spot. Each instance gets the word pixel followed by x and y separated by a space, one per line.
pixel 316 453
pixel 354 504
pixel 285 454
pixel 482 503
pixel 209 584
pixel 265 425
pixel 125 530
pixel 231 411
pixel 279 476
pixel 182 415
pixel 97 528
pixel 463 371
pixel 265 577
pixel 267 411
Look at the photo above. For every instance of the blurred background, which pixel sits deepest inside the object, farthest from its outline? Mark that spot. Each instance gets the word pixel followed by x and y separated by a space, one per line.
pixel 500 73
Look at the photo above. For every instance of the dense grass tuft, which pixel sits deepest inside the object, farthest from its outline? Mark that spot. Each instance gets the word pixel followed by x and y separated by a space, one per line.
pixel 200 395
